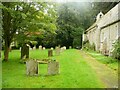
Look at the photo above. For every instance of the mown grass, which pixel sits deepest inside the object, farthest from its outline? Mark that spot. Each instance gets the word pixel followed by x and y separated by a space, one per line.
pixel 74 72
pixel 109 61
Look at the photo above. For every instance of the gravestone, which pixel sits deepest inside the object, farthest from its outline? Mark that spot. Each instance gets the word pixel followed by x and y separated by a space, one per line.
pixel 70 47
pixel 34 48
pixel 50 53
pixel 40 47
pixel 24 51
pixel 53 68
pixel 51 48
pixel 43 48
pixel 20 49
pixel 31 67
pixel 57 51
pixel 64 47
pixel 61 49
pixel 30 48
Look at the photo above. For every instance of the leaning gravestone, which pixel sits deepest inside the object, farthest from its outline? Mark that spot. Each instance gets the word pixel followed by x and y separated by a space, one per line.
pixel 53 68
pixel 24 51
pixel 50 53
pixel 31 67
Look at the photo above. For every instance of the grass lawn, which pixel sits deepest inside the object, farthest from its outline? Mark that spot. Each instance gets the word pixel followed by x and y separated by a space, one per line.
pixel 74 72
pixel 109 61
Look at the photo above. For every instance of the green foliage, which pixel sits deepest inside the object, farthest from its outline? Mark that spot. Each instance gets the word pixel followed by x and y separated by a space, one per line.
pixel 29 17
pixel 87 46
pixel 116 51
pixel 109 61
pixel 28 20
pixel 33 42
pixel 69 26
pixel 77 43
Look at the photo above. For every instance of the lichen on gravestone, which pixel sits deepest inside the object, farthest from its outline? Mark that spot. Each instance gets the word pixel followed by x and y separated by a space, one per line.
pixel 31 67
pixel 53 67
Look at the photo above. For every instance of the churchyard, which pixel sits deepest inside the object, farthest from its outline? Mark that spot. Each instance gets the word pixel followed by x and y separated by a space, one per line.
pixel 75 71
pixel 59 45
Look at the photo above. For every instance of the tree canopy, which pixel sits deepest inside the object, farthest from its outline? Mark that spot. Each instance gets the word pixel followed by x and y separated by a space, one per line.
pixel 25 19
pixel 48 23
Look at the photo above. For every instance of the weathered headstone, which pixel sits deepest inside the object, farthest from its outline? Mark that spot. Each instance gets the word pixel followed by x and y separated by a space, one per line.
pixel 31 67
pixel 40 47
pixel 53 68
pixel 64 47
pixel 50 53
pixel 30 48
pixel 52 48
pixel 20 49
pixel 24 51
pixel 61 49
pixel 57 51
pixel 34 48
pixel 70 47
pixel 43 48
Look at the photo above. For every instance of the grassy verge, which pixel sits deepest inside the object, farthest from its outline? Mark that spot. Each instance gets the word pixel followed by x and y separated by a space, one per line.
pixel 109 61
pixel 74 72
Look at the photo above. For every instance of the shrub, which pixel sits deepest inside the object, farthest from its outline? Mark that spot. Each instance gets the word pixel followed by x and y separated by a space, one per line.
pixel 116 51
pixel 88 46
pixel 77 43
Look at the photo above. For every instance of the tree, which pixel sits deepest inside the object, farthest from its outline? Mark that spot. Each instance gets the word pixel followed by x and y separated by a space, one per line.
pixel 69 25
pixel 25 19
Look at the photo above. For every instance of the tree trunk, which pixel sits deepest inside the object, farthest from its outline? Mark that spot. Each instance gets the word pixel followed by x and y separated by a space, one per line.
pixel 6 54
pixel 6 51
pixel 6 30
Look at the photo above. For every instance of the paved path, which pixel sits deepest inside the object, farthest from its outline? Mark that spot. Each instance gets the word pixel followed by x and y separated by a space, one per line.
pixel 108 76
